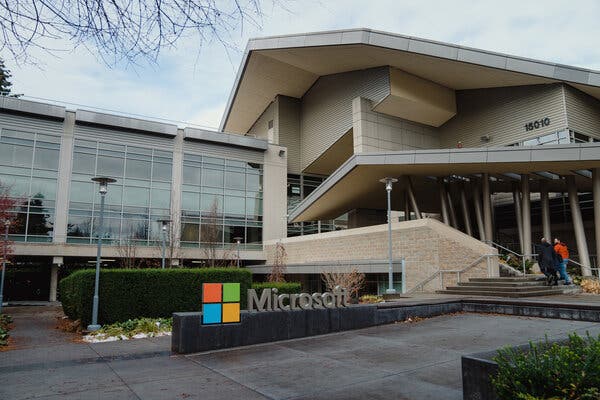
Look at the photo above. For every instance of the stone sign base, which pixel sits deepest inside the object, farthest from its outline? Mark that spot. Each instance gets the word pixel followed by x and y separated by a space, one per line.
pixel 190 336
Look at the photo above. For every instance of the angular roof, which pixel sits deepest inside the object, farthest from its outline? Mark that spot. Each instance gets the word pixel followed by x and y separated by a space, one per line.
pixel 290 64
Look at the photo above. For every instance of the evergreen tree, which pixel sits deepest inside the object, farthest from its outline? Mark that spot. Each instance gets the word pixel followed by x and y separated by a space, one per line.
pixel 5 76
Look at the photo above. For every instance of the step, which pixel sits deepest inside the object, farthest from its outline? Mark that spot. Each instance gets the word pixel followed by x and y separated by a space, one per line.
pixel 501 288
pixel 527 278
pixel 548 292
pixel 505 284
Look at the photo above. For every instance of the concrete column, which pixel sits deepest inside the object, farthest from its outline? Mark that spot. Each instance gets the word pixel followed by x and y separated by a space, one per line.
pixel 545 203
pixel 519 215
pixel 412 198
pixel 275 199
pixel 526 211
pixel 406 206
pixel 451 210
pixel 56 262
pixel 487 207
pixel 478 212
pixel 465 211
pixel 596 198
pixel 443 200
pixel 65 165
pixel 582 248
pixel 176 182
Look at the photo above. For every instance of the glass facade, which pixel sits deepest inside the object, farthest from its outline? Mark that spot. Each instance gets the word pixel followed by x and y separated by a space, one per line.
pixel 141 195
pixel 29 168
pixel 298 187
pixel 221 199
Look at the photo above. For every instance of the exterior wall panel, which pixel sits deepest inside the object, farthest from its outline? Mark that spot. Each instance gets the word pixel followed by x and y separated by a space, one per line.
pixel 123 137
pixel 287 128
pixel 502 114
pixel 327 107
pixel 31 124
pixel 214 150
pixel 583 112
pixel 261 126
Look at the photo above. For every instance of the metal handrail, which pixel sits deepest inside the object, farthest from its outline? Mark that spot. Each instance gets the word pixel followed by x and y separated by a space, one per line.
pixel 522 256
pixel 592 269
pixel 441 272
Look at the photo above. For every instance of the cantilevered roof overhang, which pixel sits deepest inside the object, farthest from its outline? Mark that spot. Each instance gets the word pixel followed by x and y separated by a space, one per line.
pixel 356 183
pixel 290 64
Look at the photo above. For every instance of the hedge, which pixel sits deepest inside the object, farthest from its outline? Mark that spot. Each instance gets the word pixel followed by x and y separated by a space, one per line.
pixel 282 287
pixel 153 293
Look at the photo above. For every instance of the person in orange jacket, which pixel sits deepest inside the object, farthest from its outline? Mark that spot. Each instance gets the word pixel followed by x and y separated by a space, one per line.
pixel 561 249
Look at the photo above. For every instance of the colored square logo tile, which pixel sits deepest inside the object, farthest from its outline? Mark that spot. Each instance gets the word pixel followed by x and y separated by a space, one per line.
pixel 211 292
pixel 231 292
pixel 211 313
pixel 231 312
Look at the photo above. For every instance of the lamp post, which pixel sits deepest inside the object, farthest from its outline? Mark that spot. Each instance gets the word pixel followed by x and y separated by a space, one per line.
pixel 388 187
pixel 164 227
pixel 103 182
pixel 4 255
pixel 238 240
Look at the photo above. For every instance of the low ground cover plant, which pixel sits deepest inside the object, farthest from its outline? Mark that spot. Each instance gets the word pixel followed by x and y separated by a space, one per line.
pixel 5 321
pixel 282 287
pixel 567 371
pixel 133 327
pixel 370 299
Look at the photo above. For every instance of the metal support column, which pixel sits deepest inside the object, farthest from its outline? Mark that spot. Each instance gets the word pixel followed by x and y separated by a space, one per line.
pixel 545 203
pixel 443 202
pixel 582 248
pixel 487 207
pixel 465 210
pixel 526 211
pixel 519 215
pixel 596 198
pixel 478 212
pixel 412 198
pixel 451 210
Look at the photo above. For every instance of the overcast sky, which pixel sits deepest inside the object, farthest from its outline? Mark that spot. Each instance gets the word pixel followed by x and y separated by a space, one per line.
pixel 192 87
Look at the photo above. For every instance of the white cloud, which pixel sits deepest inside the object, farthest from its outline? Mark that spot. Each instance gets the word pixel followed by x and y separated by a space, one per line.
pixel 190 87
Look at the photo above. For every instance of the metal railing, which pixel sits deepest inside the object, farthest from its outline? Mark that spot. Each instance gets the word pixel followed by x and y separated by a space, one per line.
pixel 523 257
pixel 441 272
pixel 583 267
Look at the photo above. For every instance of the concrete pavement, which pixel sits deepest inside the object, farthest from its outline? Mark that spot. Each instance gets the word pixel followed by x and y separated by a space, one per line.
pixel 403 361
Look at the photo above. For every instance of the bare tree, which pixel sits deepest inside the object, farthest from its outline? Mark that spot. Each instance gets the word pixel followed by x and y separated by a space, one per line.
pixel 352 281
pixel 211 236
pixel 118 30
pixel 279 264
pixel 127 249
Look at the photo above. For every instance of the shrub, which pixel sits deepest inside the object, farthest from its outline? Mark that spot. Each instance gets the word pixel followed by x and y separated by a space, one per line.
pixel 152 293
pixel 569 370
pixel 370 299
pixel 132 327
pixel 590 285
pixel 5 321
pixel 282 287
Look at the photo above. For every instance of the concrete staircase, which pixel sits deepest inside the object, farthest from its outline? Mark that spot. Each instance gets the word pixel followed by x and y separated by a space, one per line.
pixel 521 286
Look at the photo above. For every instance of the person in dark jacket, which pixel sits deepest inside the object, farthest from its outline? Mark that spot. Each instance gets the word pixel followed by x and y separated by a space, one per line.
pixel 548 262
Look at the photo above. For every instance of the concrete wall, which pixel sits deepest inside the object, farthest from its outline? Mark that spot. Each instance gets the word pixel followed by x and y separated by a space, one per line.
pixel 327 107
pixel 275 194
pixel 502 114
pixel 373 131
pixel 583 112
pixel 426 244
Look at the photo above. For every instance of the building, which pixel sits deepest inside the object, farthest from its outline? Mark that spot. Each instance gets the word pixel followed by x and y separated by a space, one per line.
pixel 498 148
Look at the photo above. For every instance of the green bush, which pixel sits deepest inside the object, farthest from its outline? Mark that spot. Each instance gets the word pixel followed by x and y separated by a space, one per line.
pixel 5 321
pixel 569 371
pixel 131 327
pixel 153 293
pixel 282 287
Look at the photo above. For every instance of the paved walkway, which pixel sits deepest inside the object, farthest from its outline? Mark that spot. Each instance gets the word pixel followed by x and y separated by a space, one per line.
pixel 401 361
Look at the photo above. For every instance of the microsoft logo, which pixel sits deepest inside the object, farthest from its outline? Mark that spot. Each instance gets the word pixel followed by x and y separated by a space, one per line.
pixel 220 303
